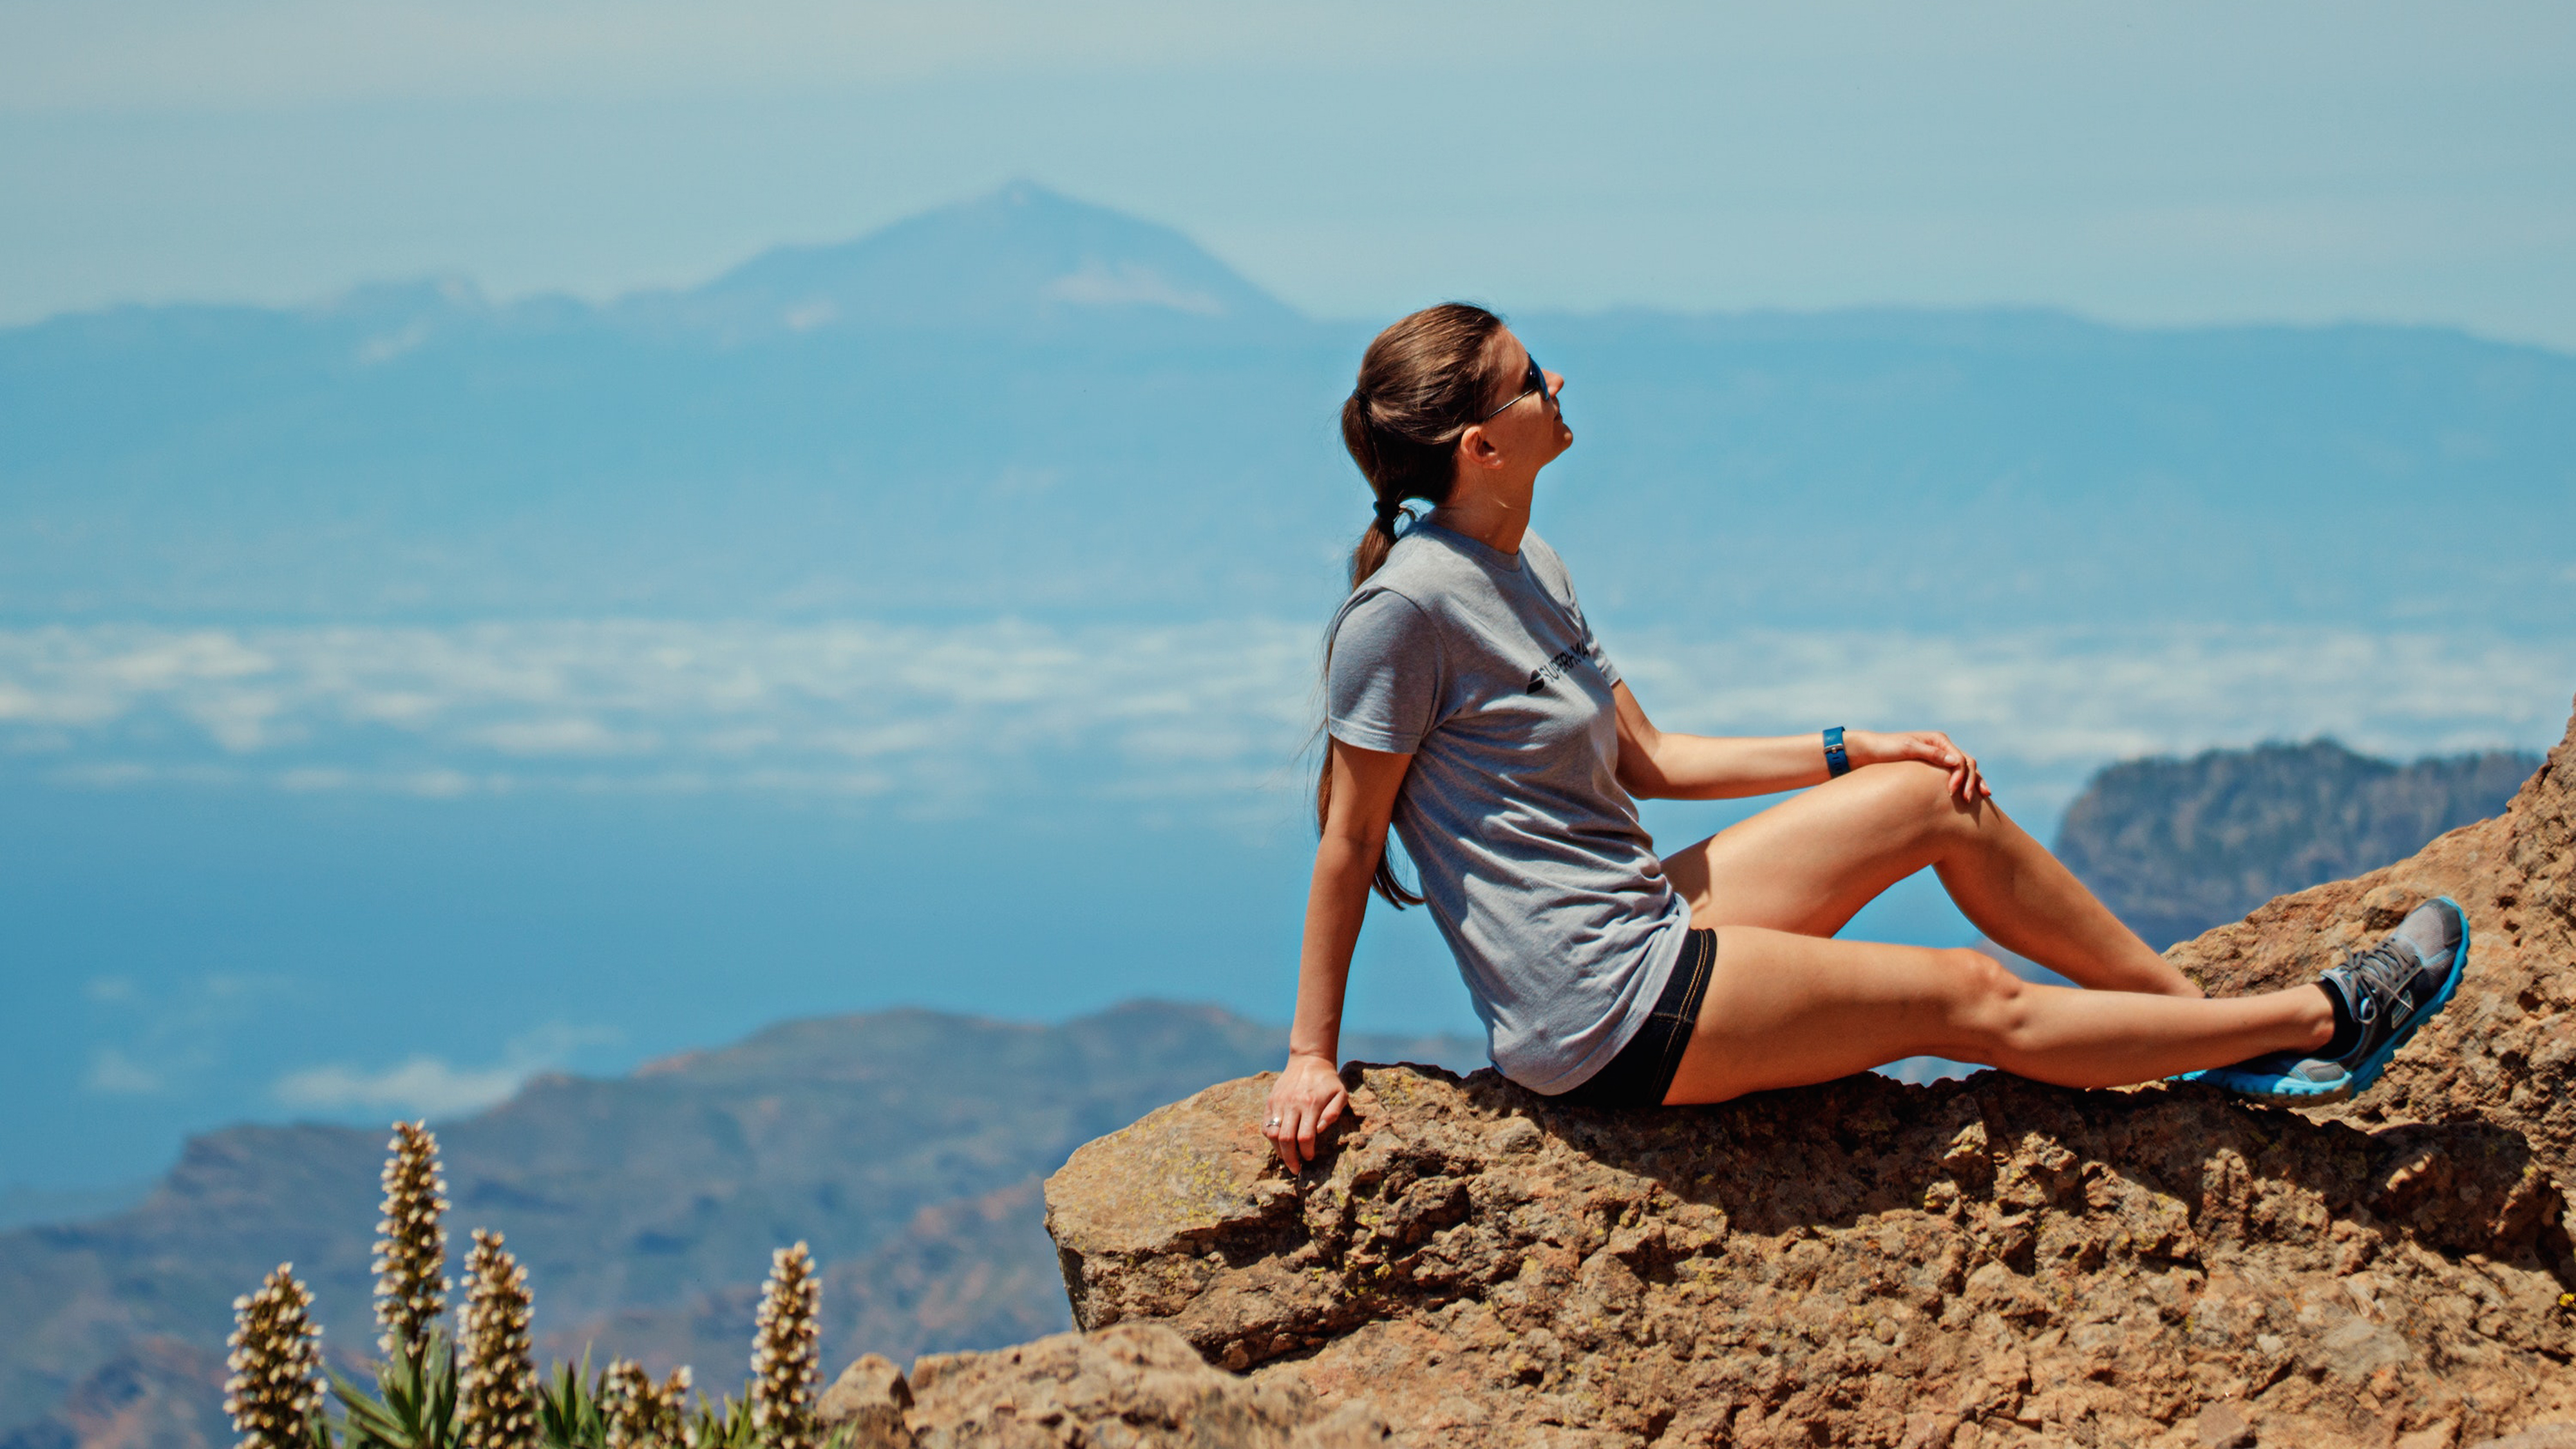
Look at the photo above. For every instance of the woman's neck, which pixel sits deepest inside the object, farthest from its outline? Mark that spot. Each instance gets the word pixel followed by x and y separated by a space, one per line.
pixel 1494 522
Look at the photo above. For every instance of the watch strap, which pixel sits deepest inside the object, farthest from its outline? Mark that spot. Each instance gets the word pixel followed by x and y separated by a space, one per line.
pixel 1837 759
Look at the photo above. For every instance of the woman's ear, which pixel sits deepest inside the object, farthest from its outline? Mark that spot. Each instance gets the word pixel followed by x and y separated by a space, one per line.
pixel 1476 449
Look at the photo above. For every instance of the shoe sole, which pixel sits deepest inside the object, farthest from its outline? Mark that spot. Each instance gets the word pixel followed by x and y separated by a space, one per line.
pixel 2282 1091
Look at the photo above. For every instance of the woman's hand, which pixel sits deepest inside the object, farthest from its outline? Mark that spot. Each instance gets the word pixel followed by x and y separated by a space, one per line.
pixel 1868 747
pixel 1307 1098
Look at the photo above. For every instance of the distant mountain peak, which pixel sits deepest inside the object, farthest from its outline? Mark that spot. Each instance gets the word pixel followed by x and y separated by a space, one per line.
pixel 1022 256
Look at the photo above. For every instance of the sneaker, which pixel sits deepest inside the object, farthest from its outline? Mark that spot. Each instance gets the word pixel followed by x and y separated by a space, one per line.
pixel 2386 991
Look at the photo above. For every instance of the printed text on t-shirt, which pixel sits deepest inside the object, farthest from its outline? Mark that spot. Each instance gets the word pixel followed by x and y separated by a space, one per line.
pixel 1553 669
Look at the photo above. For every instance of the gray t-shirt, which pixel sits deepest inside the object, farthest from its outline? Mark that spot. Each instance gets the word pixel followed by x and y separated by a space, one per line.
pixel 1479 664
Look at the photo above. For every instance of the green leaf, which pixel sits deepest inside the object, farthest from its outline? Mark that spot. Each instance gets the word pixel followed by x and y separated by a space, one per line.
pixel 569 1410
pixel 413 1406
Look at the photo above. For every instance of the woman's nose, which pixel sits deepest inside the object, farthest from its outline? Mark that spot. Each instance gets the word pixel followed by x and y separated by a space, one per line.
pixel 1555 381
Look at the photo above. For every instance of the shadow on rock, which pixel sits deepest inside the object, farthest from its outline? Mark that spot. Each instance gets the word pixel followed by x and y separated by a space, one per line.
pixel 1860 1262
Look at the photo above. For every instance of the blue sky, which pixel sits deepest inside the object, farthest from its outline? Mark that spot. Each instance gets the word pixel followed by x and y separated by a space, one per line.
pixel 2170 164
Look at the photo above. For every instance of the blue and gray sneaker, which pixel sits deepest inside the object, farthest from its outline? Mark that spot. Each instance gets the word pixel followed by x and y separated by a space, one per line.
pixel 2381 995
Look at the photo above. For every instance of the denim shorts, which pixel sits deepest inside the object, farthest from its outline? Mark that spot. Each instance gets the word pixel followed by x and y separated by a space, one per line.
pixel 1642 1072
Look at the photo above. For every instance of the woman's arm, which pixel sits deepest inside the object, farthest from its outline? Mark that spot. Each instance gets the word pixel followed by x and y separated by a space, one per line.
pixel 1308 1096
pixel 1655 765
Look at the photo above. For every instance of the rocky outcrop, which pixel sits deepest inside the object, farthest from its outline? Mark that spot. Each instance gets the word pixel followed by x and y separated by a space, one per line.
pixel 1867 1262
pixel 1864 1262
pixel 2501 1053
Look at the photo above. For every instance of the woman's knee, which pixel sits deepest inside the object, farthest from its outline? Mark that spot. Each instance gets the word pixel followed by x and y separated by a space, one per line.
pixel 1919 795
pixel 1985 1001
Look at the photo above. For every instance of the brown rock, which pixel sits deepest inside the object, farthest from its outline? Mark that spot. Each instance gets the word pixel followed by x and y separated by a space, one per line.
pixel 2500 1053
pixel 2222 1426
pixel 2545 1436
pixel 1134 1385
pixel 868 1401
pixel 1866 1262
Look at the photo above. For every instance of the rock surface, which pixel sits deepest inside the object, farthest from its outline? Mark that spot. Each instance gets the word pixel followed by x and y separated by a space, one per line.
pixel 868 1403
pixel 1866 1262
pixel 2501 1053
pixel 1129 1387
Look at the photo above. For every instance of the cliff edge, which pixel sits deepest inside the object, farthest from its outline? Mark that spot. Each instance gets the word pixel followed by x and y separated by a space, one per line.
pixel 1973 1263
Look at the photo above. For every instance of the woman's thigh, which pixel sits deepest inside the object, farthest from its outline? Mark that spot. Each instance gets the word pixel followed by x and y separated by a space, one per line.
pixel 1785 1009
pixel 1810 862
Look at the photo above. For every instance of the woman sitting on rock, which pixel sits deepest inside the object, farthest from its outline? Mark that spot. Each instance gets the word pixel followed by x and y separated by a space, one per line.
pixel 1471 707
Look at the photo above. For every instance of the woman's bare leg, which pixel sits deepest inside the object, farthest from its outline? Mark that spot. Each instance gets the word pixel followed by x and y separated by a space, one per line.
pixel 1785 1009
pixel 1807 864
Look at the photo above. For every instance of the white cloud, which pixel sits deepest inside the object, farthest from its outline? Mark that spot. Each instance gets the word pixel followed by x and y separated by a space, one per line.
pixel 939 718
pixel 1098 285
pixel 559 737
pixel 422 1086
pixel 171 1033
pixel 113 1073
pixel 430 1086
pixel 2056 697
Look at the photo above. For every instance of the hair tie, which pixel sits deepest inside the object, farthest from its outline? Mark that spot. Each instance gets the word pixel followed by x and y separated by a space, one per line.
pixel 1388 510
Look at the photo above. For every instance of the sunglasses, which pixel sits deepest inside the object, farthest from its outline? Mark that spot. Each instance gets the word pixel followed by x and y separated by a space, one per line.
pixel 1532 381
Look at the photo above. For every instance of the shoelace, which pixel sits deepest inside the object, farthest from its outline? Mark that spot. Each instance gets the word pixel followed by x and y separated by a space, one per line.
pixel 2382 974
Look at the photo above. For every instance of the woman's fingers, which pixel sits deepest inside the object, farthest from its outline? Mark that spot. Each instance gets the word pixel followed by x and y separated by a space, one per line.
pixel 1312 1121
pixel 1296 1139
pixel 1280 1126
pixel 1967 782
pixel 1972 780
pixel 1293 1125
pixel 1933 747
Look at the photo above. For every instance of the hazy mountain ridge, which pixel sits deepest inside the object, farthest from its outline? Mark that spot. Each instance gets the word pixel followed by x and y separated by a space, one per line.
pixel 1043 262
pixel 902 1145
pixel 1026 403
pixel 2178 846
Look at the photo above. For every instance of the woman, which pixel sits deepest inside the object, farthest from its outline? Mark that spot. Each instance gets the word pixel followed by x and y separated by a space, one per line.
pixel 1471 707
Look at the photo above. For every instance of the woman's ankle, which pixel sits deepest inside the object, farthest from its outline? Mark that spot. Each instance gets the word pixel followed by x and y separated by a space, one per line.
pixel 2319 1019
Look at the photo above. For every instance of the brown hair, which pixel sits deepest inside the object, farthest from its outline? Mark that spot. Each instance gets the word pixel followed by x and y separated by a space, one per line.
pixel 1422 384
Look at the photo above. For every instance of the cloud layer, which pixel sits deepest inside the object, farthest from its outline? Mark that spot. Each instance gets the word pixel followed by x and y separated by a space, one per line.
pixel 948 718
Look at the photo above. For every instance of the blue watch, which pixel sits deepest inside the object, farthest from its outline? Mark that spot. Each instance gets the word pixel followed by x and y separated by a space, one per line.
pixel 1837 761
